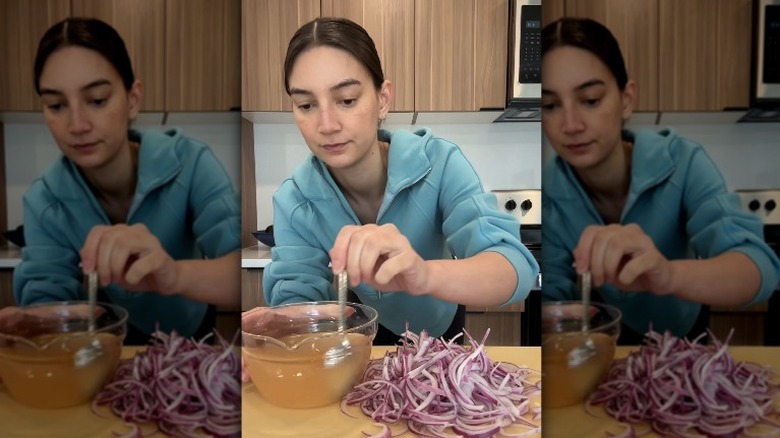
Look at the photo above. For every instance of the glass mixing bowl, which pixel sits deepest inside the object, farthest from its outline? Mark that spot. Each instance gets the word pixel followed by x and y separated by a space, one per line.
pixel 565 384
pixel 297 358
pixel 42 348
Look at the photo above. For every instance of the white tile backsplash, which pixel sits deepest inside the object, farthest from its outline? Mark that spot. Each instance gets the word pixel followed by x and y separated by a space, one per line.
pixel 30 149
pixel 505 155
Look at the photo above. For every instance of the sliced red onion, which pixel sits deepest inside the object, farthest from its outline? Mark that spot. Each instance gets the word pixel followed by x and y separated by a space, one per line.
pixel 683 388
pixel 186 387
pixel 443 389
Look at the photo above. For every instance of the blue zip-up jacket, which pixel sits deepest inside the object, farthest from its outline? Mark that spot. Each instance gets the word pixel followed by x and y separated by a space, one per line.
pixel 679 199
pixel 183 196
pixel 433 196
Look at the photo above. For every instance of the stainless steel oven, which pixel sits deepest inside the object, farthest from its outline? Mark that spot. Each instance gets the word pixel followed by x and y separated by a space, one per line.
pixel 764 204
pixel 526 206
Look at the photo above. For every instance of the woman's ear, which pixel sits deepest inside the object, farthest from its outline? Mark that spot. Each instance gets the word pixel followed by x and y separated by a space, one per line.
pixel 385 98
pixel 628 96
pixel 134 99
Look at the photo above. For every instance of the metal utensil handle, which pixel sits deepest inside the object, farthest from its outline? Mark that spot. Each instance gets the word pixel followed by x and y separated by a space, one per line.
pixel 92 289
pixel 342 289
pixel 585 286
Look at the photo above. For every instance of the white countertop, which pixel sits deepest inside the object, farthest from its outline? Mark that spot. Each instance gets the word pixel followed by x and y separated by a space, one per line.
pixel 10 257
pixel 257 256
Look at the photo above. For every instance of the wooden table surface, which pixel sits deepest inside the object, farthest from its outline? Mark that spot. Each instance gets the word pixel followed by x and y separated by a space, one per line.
pixel 573 421
pixel 262 419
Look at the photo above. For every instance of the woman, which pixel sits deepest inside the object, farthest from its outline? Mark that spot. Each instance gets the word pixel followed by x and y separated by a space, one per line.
pixel 392 209
pixel 154 214
pixel 647 213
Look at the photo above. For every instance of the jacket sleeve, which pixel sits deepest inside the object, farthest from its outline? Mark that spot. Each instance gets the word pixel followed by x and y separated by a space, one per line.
pixel 49 270
pixel 216 207
pixel 299 270
pixel 473 224
pixel 716 222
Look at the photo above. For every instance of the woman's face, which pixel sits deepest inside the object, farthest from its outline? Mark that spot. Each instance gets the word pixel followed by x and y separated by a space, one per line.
pixel 582 108
pixel 336 106
pixel 86 106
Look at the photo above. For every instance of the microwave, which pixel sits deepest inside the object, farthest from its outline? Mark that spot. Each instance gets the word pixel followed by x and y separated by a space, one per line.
pixel 766 55
pixel 524 75
pixel 526 47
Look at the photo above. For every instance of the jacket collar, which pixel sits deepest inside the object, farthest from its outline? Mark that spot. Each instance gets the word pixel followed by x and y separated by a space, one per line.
pixel 407 163
pixel 157 164
pixel 651 159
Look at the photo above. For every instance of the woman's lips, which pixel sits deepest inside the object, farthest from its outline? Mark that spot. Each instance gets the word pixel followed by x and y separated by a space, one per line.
pixel 578 148
pixel 334 147
pixel 85 147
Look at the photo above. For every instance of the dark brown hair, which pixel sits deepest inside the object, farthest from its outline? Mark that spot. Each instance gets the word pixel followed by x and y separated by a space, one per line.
pixel 339 33
pixel 89 33
pixel 589 35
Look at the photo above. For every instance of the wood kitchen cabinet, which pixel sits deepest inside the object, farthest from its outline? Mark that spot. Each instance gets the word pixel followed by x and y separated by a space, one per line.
pixel 186 52
pixel 635 26
pixel 552 10
pixel 707 66
pixel 203 46
pixel 441 55
pixel 391 26
pixel 686 55
pixel 141 25
pixel 267 26
pixel 460 54
pixel 22 23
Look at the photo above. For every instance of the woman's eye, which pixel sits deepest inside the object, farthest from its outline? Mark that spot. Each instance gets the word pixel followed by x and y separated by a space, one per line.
pixel 54 107
pixel 98 102
pixel 348 102
pixel 549 106
pixel 592 102
pixel 304 107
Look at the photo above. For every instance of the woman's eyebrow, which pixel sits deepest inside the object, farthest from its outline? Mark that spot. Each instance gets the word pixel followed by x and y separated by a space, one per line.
pixel 588 84
pixel 343 84
pixel 93 84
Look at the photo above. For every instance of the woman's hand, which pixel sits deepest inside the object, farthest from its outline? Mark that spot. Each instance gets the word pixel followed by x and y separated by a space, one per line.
pixel 130 256
pixel 624 256
pixel 381 257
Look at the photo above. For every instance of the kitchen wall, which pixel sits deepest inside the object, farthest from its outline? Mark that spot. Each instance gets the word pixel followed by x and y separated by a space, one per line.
pixel 30 149
pixel 745 153
pixel 505 155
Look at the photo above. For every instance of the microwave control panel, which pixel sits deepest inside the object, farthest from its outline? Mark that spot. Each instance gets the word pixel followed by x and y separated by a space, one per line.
pixel 771 71
pixel 531 44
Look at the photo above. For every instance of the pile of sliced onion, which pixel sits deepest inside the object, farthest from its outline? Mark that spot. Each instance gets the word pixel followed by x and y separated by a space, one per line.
pixel 439 388
pixel 179 386
pixel 686 389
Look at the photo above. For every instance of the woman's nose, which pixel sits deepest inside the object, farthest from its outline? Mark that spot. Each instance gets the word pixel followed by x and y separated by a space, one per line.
pixel 572 121
pixel 329 122
pixel 78 120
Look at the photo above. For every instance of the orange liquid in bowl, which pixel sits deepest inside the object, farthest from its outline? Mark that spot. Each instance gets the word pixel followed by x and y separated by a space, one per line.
pixel 563 385
pixel 299 378
pixel 48 377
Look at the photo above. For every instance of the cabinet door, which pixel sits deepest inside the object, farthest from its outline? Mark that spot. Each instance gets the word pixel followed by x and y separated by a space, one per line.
pixel 460 54
pixel 22 24
pixel 734 30
pixel 141 25
pixel 688 75
pixel 391 26
pixel 552 10
pixel 635 26
pixel 267 26
pixel 200 66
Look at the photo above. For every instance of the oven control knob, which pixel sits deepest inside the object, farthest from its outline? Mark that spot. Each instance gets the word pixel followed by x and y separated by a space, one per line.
pixel 754 205
pixel 510 205
pixel 526 205
pixel 770 205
